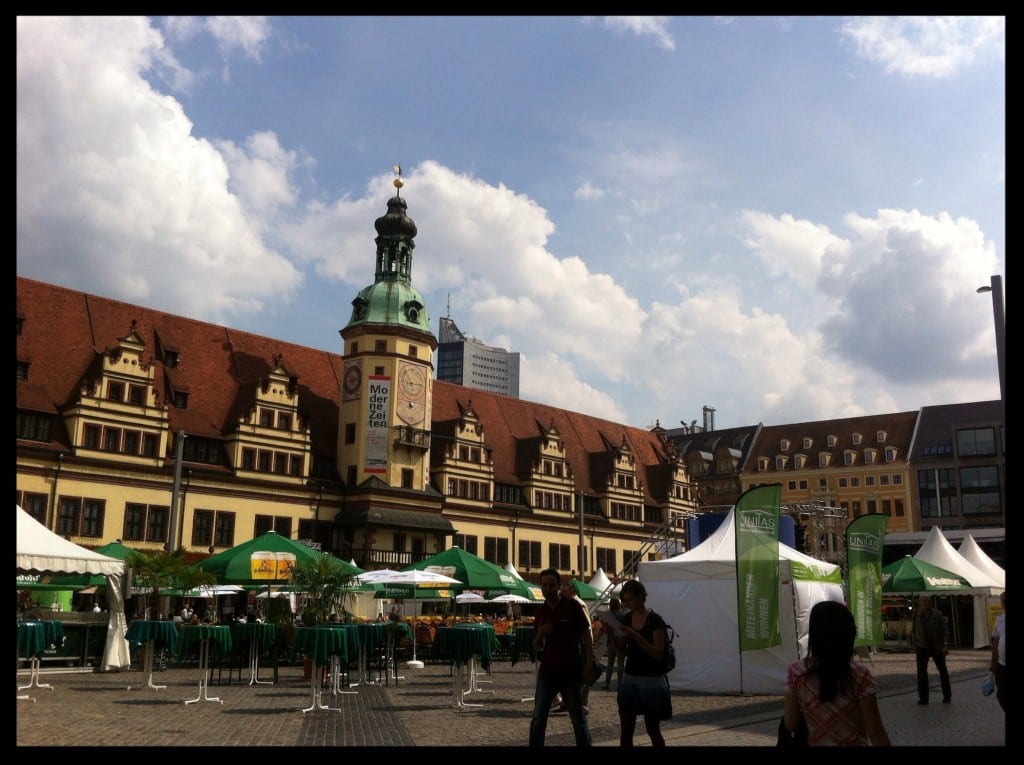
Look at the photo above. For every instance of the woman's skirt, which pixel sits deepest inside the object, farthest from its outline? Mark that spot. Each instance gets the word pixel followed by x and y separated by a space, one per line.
pixel 645 695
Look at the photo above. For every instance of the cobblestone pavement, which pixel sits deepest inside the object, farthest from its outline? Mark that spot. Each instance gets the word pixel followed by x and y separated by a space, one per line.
pixel 97 709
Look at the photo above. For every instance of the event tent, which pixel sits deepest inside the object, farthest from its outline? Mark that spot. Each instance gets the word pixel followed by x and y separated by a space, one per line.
pixel 972 551
pixel 39 550
pixel 938 551
pixel 695 593
pixel 600 582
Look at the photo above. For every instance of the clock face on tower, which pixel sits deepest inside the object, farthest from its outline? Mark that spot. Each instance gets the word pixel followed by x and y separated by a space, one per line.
pixel 411 399
pixel 353 378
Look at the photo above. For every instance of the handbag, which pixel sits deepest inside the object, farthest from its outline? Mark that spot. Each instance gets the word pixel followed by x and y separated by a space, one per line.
pixel 795 740
pixel 989 686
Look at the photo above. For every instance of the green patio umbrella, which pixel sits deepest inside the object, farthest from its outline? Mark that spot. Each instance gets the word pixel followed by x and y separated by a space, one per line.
pixel 265 560
pixel 912 575
pixel 473 571
pixel 585 591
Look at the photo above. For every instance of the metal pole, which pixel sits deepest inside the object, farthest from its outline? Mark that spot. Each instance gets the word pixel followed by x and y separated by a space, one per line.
pixel 172 541
pixel 583 543
pixel 999 317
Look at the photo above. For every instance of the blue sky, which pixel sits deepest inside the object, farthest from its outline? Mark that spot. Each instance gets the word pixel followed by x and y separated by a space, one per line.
pixel 784 218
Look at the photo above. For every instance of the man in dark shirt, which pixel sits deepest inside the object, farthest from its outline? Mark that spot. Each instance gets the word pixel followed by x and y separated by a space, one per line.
pixel 930 643
pixel 562 638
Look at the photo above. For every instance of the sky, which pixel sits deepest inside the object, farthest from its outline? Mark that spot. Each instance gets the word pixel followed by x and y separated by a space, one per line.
pixel 782 218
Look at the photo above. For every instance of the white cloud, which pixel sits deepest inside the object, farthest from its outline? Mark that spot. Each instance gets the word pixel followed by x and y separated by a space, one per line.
pixel 926 46
pixel 114 193
pixel 654 26
pixel 261 171
pixel 789 247
pixel 587 190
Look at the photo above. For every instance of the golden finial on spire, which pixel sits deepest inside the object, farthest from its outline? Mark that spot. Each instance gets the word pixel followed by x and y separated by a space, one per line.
pixel 398 181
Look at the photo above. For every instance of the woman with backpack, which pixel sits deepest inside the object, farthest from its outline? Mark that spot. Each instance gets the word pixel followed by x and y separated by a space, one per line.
pixel 643 689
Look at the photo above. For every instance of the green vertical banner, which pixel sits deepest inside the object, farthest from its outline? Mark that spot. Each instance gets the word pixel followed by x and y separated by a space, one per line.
pixel 757 567
pixel 865 538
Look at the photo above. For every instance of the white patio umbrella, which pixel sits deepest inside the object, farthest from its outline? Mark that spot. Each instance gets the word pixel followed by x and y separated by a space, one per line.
pixel 414 577
pixel 470 597
pixel 510 598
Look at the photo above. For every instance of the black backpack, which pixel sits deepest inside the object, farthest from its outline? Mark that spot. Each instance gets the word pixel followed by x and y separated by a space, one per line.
pixel 668 658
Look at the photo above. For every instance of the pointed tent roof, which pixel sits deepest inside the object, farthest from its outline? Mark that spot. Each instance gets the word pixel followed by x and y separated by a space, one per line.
pixel 718 552
pixel 972 551
pixel 600 582
pixel 512 569
pixel 939 552
pixel 39 549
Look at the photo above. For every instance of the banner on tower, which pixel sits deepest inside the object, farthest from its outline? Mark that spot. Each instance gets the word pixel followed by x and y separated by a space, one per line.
pixel 378 423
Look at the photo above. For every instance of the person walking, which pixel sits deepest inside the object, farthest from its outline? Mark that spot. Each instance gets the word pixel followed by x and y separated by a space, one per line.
pixel 643 689
pixel 565 590
pixel 615 660
pixel 998 664
pixel 831 690
pixel 930 643
pixel 561 637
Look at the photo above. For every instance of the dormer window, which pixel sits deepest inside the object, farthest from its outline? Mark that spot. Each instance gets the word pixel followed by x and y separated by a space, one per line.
pixel 763 463
pixel 780 463
pixel 171 359
pixel 808 441
pixel 180 400
pixel 799 460
pixel 115 391
pixel 890 454
pixel 22 373
pixel 830 441
pixel 856 438
pixel 869 456
pixel 880 436
pixel 784 445
pixel 824 458
pixel 849 457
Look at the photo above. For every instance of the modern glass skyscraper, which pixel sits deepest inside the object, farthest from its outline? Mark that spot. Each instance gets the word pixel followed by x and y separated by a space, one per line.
pixel 466 361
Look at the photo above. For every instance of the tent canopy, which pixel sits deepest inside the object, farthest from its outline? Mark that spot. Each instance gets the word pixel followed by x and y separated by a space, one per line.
pixel 695 592
pixel 40 550
pixel 586 591
pixel 974 555
pixel 939 552
pixel 600 582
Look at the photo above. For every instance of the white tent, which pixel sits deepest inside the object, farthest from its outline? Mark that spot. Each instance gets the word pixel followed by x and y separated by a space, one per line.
pixel 938 551
pixel 600 582
pixel 695 592
pixel 972 551
pixel 512 570
pixel 39 550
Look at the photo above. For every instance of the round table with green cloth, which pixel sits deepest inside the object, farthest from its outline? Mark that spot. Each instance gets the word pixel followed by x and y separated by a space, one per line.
pixel 34 637
pixel 521 643
pixel 322 641
pixel 209 637
pixel 337 643
pixel 258 636
pixel 161 632
pixel 461 642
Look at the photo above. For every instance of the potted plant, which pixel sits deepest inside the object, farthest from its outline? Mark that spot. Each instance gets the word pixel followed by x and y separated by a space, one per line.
pixel 160 572
pixel 324 587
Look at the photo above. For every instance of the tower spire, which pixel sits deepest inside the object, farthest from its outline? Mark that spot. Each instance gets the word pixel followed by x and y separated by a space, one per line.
pixel 398 181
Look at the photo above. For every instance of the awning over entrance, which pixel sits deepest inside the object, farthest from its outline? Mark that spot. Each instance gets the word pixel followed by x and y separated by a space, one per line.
pixel 389 516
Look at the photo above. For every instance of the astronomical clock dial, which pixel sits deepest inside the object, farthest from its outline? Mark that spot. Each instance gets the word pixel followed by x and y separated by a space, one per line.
pixel 411 400
pixel 353 378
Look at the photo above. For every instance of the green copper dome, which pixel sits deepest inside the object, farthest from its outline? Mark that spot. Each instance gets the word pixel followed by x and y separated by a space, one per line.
pixel 392 299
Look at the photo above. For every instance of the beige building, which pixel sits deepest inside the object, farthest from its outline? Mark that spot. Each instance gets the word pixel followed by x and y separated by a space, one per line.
pixel 159 430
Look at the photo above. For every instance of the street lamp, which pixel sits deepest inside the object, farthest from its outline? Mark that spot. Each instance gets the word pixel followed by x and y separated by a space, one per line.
pixel 998 315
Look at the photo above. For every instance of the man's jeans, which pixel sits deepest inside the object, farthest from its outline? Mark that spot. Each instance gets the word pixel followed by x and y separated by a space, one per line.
pixel 922 673
pixel 547 687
